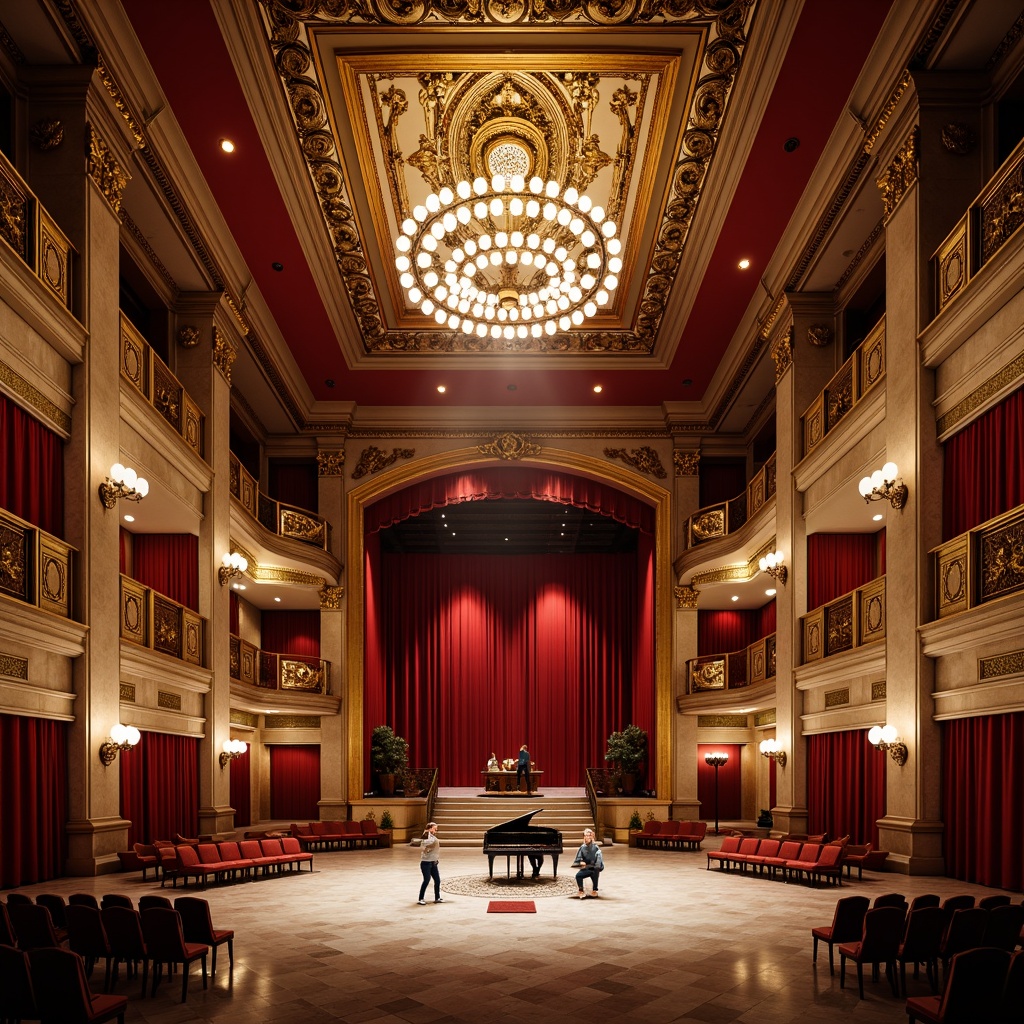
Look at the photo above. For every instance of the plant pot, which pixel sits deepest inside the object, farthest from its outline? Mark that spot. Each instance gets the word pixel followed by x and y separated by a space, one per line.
pixel 387 784
pixel 628 783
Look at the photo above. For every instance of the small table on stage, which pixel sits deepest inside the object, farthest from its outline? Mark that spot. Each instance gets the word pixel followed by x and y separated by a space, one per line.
pixel 503 783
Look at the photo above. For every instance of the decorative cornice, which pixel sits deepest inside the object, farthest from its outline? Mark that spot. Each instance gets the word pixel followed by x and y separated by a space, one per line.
pixel 10 47
pixel 644 459
pixel 291 722
pixel 762 719
pixel 277 574
pixel 330 462
pixel 686 463
pixel 120 104
pixel 374 459
pixel 722 722
pixel 474 432
pixel 888 109
pixel 900 175
pixel 143 243
pixel 330 598
pixel 1006 44
pixel 32 397
pixel 510 446
pixel 223 354
pixel 686 597
pixel 1008 374
pixel 864 249
pixel 103 168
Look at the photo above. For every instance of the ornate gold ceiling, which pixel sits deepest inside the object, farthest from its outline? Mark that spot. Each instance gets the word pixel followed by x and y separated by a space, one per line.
pixel 392 101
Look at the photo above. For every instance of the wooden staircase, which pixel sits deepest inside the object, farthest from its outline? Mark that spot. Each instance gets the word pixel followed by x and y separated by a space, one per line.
pixel 463 820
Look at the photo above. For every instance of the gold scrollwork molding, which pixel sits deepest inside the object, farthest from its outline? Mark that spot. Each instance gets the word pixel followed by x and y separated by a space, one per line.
pixel 13 668
pixel 188 336
pixel 330 462
pixel 292 722
pixel 722 722
pixel 246 719
pixel 643 459
pixel 34 398
pixel 878 690
pixel 127 693
pixel 47 134
pixel 171 701
pixel 837 698
pixel 686 463
pixel 510 447
pixel 782 353
pixel 888 110
pixel 223 354
pixel 374 459
pixel 1009 664
pixel 686 596
pixel 1005 377
pixel 900 175
pixel 120 104
pixel 107 175
pixel 330 598
pixel 762 719
pixel 820 335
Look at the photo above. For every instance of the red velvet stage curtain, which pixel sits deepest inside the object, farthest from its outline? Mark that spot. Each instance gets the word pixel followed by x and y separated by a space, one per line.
pixel 982 798
pixel 766 625
pixel 838 563
pixel 295 783
pixel 33 799
pixel 31 469
pixel 233 615
pixel 511 482
pixel 291 632
pixel 730 804
pixel 984 467
pixel 169 564
pixel 773 780
pixel 294 483
pixel 721 632
pixel 241 790
pixel 160 787
pixel 845 786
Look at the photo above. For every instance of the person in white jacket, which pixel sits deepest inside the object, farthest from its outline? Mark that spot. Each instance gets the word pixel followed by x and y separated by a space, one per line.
pixel 430 854
pixel 589 861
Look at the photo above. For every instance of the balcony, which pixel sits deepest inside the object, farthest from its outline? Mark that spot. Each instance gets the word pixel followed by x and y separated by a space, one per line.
pixel 35 566
pixel 979 566
pixel 754 664
pixel 853 620
pixel 151 620
pixel 856 377
pixel 287 673
pixel 33 234
pixel 278 517
pixel 726 517
pixel 148 374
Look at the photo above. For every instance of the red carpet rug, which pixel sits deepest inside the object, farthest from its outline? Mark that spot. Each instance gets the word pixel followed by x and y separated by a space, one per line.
pixel 511 907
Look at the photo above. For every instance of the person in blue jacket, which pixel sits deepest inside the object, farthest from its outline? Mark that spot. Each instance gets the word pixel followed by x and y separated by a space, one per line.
pixel 523 767
pixel 590 863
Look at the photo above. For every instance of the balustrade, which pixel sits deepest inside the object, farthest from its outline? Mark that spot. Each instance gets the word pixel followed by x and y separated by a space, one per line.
pixel 754 664
pixel 726 517
pixel 35 566
pixel 852 620
pixel 151 620
pixel 285 672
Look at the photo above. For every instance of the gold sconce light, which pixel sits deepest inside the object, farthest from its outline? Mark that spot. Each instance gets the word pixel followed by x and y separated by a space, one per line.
pixel 232 564
pixel 771 565
pixel 231 750
pixel 771 750
pixel 123 482
pixel 122 737
pixel 884 737
pixel 885 483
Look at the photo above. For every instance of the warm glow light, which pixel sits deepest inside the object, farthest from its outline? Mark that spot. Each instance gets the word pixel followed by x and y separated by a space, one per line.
pixel 598 389
pixel 735 597
pixel 441 389
pixel 744 263
pixel 770 592
pixel 877 518
pixel 129 519
pixel 227 145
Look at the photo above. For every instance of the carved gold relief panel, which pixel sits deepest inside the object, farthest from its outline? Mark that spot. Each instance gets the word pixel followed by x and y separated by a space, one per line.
pixel 1002 558
pixel 15 575
pixel 54 575
pixel 839 626
pixel 952 576
pixel 707 674
pixel 133 611
pixel 134 358
pixel 53 257
pixel 814 424
pixel 872 611
pixel 813 632
pixel 166 626
pixel 872 359
pixel 951 266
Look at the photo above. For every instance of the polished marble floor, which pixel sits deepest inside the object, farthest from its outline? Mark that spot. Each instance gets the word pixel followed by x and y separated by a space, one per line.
pixel 667 941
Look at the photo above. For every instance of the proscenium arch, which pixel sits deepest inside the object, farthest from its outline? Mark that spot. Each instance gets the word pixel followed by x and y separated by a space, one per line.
pixel 397 477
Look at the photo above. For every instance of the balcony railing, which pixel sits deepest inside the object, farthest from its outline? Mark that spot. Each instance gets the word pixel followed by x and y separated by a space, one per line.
pixel 726 517
pixel 33 234
pixel 850 621
pixel 151 620
pixel 981 565
pixel 286 672
pixel 35 566
pixel 861 372
pixel 754 664
pixel 148 373
pixel 981 232
pixel 277 516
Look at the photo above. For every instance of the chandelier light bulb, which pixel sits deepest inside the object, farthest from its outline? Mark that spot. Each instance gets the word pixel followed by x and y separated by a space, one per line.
pixel 875 735
pixel 888 734
pixel 890 471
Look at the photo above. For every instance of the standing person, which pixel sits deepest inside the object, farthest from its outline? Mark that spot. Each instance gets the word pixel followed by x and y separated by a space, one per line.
pixel 430 854
pixel 589 861
pixel 523 767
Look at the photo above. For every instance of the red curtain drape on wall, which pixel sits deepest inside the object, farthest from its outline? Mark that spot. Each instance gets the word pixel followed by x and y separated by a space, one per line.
pixel 766 625
pixel 160 787
pixel 982 799
pixel 33 799
pixel 838 563
pixel 169 564
pixel 720 632
pixel 31 469
pixel 124 551
pixel 721 481
pixel 845 786
pixel 773 782
pixel 294 783
pixel 241 789
pixel 730 803
pixel 233 615
pixel 294 483
pixel 984 467
pixel 291 632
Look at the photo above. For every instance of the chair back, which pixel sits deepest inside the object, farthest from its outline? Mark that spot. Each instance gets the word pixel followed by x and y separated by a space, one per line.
pixel 124 932
pixel 17 897
pixel 7 935
pixel 301 830
pixel 83 899
pixel 320 828
pixel 196 923
pixel 1003 927
pixel 929 899
pixel 830 856
pixel 651 827
pixel 19 998
pixel 86 934
pixel 769 848
pixel 62 992
pixel 368 827
pixel 272 847
pixel 890 899
pixel 977 978
pixel 965 931
pixel 848 920
pixel 809 853
pixel 291 845
pixel 352 828
pixel 991 902
pixel 669 828
pixel 56 905
pixel 880 939
pixel 229 850
pixel 161 928
pixel 151 900
pixel 209 854
pixel 116 899
pixel 923 937
pixel 1011 1010
pixel 251 849
pixel 789 849
pixel 958 903
pixel 33 926
pixel 730 844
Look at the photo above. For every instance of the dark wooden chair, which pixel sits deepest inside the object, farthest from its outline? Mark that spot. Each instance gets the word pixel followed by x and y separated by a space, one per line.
pixel 116 899
pixel 928 899
pixel 62 992
pixel 151 900
pixel 17 996
pixel 966 930
pixel 57 906
pixel 1011 1006
pixel 88 938
pixel 953 903
pixel 83 899
pixel 34 926
pixel 921 943
pixel 847 926
pixel 197 926
pixel 166 944
pixel 1003 927
pixel 973 993
pixel 124 930
pixel 879 944
pixel 991 902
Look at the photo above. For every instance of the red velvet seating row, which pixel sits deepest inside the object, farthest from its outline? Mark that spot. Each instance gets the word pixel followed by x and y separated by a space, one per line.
pixel 231 861
pixel 339 835
pixel 668 835
pixel 796 861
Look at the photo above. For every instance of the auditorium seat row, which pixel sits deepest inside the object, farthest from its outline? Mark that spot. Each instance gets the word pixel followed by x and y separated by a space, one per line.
pixel 231 861
pixel 340 835
pixel 667 835
pixel 796 861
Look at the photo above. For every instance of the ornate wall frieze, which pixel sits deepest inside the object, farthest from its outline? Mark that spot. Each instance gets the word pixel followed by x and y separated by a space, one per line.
pixel 861 253
pixel 1002 378
pixel 888 110
pixel 13 667
pixel 722 722
pixel 1009 664
pixel 34 398
pixel 762 719
pixel 120 103
pixel 782 353
pixel 245 719
pixel 510 446
pixel 686 596
pixel 686 463
pixel 374 459
pixel 330 462
pixel 644 459
pixel 127 693
pixel 144 245
pixel 837 698
pixel 878 690
pixel 107 175
pixel 291 722
pixel 171 701
pixel 330 598
pixel 900 175
pixel 47 134
pixel 223 354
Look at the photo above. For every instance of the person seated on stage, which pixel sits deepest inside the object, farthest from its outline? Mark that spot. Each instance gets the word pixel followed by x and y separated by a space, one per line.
pixel 589 861
pixel 492 764
pixel 523 767
pixel 536 862
pixel 509 764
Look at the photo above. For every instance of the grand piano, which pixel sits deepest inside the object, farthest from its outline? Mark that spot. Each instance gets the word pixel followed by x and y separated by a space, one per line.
pixel 518 838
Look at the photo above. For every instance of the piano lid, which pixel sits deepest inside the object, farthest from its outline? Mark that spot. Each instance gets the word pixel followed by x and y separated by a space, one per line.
pixel 520 824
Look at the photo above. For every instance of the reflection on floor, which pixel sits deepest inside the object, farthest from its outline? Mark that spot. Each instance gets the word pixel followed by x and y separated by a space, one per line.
pixel 667 941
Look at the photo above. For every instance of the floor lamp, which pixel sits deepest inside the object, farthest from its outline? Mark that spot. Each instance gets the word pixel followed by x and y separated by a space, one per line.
pixel 716 761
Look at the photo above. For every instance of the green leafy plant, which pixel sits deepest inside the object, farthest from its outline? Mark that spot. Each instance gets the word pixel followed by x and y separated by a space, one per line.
pixel 389 753
pixel 635 824
pixel 386 821
pixel 628 748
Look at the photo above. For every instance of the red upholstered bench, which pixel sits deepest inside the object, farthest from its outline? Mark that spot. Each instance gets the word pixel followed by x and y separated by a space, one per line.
pixel 352 834
pixel 252 851
pixel 803 862
pixel 691 834
pixel 295 854
pixel 730 844
pixel 374 837
pixel 189 866
pixel 649 835
pixel 304 834
pixel 789 850
pixel 768 848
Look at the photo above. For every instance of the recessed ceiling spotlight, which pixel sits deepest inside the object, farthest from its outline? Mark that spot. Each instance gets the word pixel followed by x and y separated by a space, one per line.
pixel 277 266
pixel 874 518
pixel 791 144
pixel 511 387
pixel 598 389
pixel 743 264
pixel 226 145
pixel 441 389
pixel 238 586
pixel 278 600
pixel 687 382
pixel 770 592
pixel 735 597
pixel 131 519
pixel 329 382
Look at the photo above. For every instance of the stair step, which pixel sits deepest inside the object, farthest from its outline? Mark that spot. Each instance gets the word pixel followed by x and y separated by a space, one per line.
pixel 464 820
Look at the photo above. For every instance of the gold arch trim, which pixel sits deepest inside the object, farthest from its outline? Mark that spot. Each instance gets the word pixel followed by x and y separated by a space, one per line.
pixel 403 475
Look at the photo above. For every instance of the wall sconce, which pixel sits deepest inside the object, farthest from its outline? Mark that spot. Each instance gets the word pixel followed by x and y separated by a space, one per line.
pixel 123 482
pixel 771 750
pixel 885 483
pixel 771 565
pixel 232 749
pixel 233 564
pixel 885 738
pixel 122 737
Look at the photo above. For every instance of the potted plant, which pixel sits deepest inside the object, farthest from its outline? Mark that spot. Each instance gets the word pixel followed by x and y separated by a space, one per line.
pixel 386 821
pixel 389 757
pixel 628 749
pixel 636 826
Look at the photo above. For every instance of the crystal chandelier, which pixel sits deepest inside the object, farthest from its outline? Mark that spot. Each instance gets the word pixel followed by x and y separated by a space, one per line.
pixel 508 259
